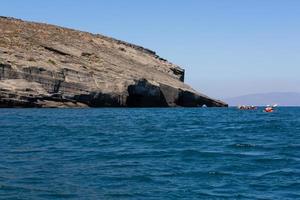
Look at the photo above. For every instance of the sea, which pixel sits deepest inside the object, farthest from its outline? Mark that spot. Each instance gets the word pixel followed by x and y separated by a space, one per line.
pixel 152 153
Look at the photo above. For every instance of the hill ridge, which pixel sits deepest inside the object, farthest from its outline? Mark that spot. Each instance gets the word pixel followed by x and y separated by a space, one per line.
pixel 43 65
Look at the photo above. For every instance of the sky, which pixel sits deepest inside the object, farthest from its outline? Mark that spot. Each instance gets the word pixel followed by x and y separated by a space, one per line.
pixel 228 48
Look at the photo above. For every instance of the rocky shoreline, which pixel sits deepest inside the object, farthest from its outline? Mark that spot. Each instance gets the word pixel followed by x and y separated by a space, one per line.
pixel 49 66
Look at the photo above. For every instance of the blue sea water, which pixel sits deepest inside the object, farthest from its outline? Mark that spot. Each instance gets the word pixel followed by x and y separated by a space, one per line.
pixel 198 153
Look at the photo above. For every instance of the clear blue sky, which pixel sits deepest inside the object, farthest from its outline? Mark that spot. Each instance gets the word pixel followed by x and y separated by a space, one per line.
pixel 228 48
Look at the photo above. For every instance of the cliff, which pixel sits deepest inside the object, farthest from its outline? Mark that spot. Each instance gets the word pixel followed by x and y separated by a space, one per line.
pixel 49 66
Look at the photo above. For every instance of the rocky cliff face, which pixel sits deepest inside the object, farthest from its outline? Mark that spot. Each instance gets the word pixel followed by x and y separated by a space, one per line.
pixel 48 66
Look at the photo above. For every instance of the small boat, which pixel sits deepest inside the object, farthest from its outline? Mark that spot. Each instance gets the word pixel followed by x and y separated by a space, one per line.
pixel 247 107
pixel 270 109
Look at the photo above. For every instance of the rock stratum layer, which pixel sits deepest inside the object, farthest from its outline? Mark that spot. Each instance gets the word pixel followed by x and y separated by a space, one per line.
pixel 49 66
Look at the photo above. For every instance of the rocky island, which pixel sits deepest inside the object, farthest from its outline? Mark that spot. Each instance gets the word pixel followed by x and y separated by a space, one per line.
pixel 44 65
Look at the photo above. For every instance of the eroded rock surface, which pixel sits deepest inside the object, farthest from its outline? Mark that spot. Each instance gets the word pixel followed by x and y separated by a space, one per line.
pixel 49 66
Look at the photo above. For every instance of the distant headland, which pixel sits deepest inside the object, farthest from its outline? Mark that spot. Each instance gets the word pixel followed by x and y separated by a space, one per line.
pixel 263 99
pixel 44 65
